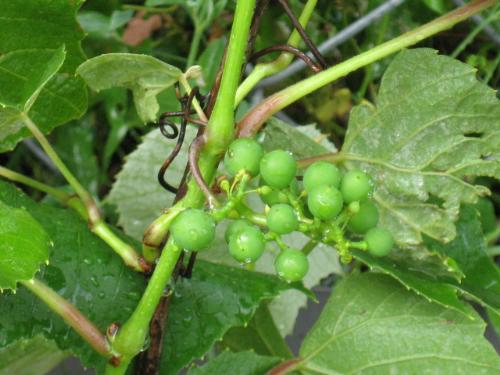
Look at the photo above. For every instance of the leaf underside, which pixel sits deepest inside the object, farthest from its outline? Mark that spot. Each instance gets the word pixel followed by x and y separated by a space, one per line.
pixel 433 125
pixel 372 325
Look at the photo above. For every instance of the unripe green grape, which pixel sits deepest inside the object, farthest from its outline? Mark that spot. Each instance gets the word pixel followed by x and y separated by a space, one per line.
pixel 243 154
pixel 365 219
pixel 355 186
pixel 291 265
pixel 282 219
pixel 277 196
pixel 193 229
pixel 321 173
pixel 379 241
pixel 247 245
pixel 325 202
pixel 235 227
pixel 278 168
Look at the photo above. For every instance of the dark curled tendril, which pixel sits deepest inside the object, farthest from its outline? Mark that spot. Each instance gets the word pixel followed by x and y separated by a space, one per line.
pixel 317 55
pixel 289 49
pixel 176 132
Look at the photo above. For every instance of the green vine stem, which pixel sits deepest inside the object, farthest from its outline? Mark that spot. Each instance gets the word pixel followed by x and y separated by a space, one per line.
pixel 220 131
pixel 71 315
pixel 61 196
pixel 261 71
pixel 195 45
pixel 254 119
pixel 96 223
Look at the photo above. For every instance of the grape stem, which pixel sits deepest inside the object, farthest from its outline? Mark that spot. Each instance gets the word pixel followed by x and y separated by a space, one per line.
pixel 71 315
pixel 219 133
pixel 96 223
pixel 253 120
pixel 263 70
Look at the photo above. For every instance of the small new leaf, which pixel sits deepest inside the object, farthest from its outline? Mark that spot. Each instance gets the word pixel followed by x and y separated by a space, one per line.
pixel 24 246
pixel 146 76
pixel 433 125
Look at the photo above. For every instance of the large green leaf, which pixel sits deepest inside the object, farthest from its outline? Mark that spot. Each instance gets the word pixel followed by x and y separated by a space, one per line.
pixel 433 125
pixel 145 75
pixel 243 363
pixel 42 24
pixel 373 325
pixel 32 51
pixel 83 269
pixel 24 73
pixel 30 357
pixel 468 249
pixel 204 307
pixel 24 246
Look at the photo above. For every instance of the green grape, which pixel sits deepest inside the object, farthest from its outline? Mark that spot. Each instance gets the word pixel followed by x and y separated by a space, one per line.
pixel 278 169
pixel 247 245
pixel 379 241
pixel 243 154
pixel 355 186
pixel 278 196
pixel 321 173
pixel 325 202
pixel 193 229
pixel 365 219
pixel 291 265
pixel 235 227
pixel 282 219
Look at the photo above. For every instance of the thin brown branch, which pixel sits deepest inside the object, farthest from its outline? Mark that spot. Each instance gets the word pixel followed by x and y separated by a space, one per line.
pixel 289 49
pixel 296 23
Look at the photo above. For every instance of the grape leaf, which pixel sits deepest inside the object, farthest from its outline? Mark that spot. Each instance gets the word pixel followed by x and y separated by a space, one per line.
pixel 303 141
pixel 30 357
pixel 145 75
pixel 138 196
pixel 204 307
pixel 242 363
pixel 433 125
pixel 83 269
pixel 31 54
pixel 42 24
pixel 373 325
pixel 468 249
pixel 24 246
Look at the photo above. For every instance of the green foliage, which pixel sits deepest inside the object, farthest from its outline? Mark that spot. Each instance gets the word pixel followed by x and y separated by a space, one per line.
pixel 216 298
pixel 18 358
pixel 24 246
pixel 82 268
pixel 242 363
pixel 433 125
pixel 468 249
pixel 32 52
pixel 373 325
pixel 146 76
pixel 33 30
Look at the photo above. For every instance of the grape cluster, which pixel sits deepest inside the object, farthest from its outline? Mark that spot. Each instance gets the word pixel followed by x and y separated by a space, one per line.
pixel 328 206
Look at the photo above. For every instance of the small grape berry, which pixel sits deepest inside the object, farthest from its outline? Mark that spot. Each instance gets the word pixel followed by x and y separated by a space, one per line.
pixel 278 168
pixel 365 219
pixel 193 229
pixel 282 219
pixel 325 202
pixel 247 245
pixel 235 227
pixel 321 173
pixel 379 241
pixel 291 265
pixel 355 186
pixel 243 154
